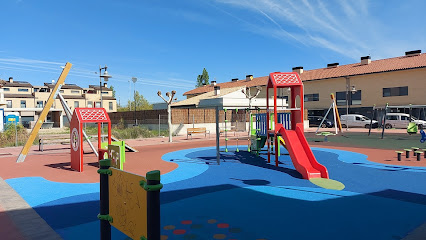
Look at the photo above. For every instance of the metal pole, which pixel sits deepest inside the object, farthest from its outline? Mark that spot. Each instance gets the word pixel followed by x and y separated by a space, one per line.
pixel 104 201
pixel 347 102
pixel 16 135
pixel 217 137
pixel 153 204
pixel 134 97
pixel 159 124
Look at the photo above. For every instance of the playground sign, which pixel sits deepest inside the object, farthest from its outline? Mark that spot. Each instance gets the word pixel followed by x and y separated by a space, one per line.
pixel 115 156
pixel 128 203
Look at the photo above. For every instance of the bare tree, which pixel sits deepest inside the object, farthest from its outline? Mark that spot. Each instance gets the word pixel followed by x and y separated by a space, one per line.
pixel 169 110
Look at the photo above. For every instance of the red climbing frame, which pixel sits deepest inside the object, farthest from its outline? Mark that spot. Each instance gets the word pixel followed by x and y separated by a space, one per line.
pixel 80 116
pixel 301 154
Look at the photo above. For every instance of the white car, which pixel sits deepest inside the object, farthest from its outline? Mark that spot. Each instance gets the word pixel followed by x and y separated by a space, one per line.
pixel 401 120
pixel 357 120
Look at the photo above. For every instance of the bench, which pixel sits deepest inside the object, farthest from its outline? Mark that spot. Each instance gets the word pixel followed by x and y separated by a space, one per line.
pixel 191 131
pixel 62 139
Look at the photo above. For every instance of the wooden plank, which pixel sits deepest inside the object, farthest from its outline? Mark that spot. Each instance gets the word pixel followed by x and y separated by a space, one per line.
pixel 44 113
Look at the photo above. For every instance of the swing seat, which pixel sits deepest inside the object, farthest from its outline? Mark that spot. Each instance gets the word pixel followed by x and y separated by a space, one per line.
pixel 412 128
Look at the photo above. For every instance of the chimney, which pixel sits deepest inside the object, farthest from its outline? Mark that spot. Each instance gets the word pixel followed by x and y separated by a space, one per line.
pixel 234 79
pixel 413 53
pixel 365 60
pixel 11 79
pixel 249 77
pixel 216 90
pixel 105 85
pixel 298 70
pixel 213 83
pixel 332 65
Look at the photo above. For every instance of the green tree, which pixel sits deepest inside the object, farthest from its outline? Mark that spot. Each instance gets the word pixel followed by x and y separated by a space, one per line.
pixel 203 79
pixel 141 103
pixel 113 90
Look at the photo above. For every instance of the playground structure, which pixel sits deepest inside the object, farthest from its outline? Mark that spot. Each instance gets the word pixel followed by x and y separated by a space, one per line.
pixel 136 211
pixel 337 123
pixel 86 115
pixel 303 159
pixel 380 113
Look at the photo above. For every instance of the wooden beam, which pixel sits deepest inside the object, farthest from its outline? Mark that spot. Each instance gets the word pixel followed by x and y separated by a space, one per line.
pixel 44 113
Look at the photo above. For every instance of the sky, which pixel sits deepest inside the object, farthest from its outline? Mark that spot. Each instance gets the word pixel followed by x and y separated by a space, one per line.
pixel 166 44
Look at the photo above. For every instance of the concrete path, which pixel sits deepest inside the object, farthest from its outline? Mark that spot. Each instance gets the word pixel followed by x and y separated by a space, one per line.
pixel 29 224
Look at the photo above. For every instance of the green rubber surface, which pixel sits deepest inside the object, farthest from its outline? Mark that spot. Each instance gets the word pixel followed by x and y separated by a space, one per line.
pixel 327 183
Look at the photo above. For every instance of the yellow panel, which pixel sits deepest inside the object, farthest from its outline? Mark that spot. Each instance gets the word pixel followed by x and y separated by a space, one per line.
pixel 127 203
pixel 44 113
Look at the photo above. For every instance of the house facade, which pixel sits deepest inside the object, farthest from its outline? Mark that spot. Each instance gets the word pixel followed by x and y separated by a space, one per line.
pixel 397 81
pixel 28 100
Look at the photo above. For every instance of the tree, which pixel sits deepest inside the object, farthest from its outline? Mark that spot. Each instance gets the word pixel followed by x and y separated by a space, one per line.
pixel 141 103
pixel 113 91
pixel 203 79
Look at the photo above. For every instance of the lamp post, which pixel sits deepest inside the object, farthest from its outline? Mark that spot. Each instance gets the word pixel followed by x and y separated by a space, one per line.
pixel 352 90
pixel 134 97
pixel 105 76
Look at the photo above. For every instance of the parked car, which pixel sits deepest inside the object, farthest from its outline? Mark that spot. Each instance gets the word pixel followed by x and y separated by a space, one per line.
pixel 315 121
pixel 401 120
pixel 357 120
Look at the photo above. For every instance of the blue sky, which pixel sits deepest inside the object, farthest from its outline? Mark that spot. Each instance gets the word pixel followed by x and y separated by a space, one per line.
pixel 166 44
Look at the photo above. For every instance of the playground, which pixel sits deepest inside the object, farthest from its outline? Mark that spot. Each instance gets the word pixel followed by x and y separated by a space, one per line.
pixel 290 183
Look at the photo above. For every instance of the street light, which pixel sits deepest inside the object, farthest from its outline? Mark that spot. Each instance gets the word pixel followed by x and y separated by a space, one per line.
pixel 134 97
pixel 105 76
pixel 352 90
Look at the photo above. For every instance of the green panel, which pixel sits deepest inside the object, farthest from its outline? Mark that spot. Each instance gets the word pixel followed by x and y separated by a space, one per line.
pixel 327 183
pixel 122 145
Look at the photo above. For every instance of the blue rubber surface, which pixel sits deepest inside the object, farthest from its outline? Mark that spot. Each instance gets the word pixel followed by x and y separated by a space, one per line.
pixel 246 198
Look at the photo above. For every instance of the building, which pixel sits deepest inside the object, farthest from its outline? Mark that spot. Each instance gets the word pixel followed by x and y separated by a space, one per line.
pixel 397 81
pixel 29 100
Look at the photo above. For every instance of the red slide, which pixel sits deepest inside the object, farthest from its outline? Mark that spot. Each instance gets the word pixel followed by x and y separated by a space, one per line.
pixel 301 154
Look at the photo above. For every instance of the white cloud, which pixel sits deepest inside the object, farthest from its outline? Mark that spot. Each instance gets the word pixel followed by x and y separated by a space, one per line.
pixel 342 26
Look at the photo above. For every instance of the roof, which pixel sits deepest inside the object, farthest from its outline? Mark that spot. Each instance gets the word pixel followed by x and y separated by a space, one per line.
pixel 279 79
pixel 17 95
pixel 259 81
pixel 72 97
pixel 194 101
pixel 17 84
pixel 97 87
pixel 108 98
pixel 65 86
pixel 377 66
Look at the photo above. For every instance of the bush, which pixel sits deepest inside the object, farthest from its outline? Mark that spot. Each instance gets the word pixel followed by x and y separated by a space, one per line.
pixel 8 137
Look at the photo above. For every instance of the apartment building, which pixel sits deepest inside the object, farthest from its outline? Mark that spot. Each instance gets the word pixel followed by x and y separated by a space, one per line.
pixel 357 87
pixel 29 101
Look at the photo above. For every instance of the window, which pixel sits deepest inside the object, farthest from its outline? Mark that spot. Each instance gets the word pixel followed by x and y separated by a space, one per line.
pixel 110 106
pixel 405 118
pixel 61 91
pixel 103 93
pixel 90 104
pixel 39 104
pixel 395 91
pixel 75 91
pixel 22 89
pixel 9 103
pixel 76 104
pixel 23 104
pixel 340 98
pixel 354 98
pixel 312 97
pixel 392 117
pixel 6 89
pixel 98 104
